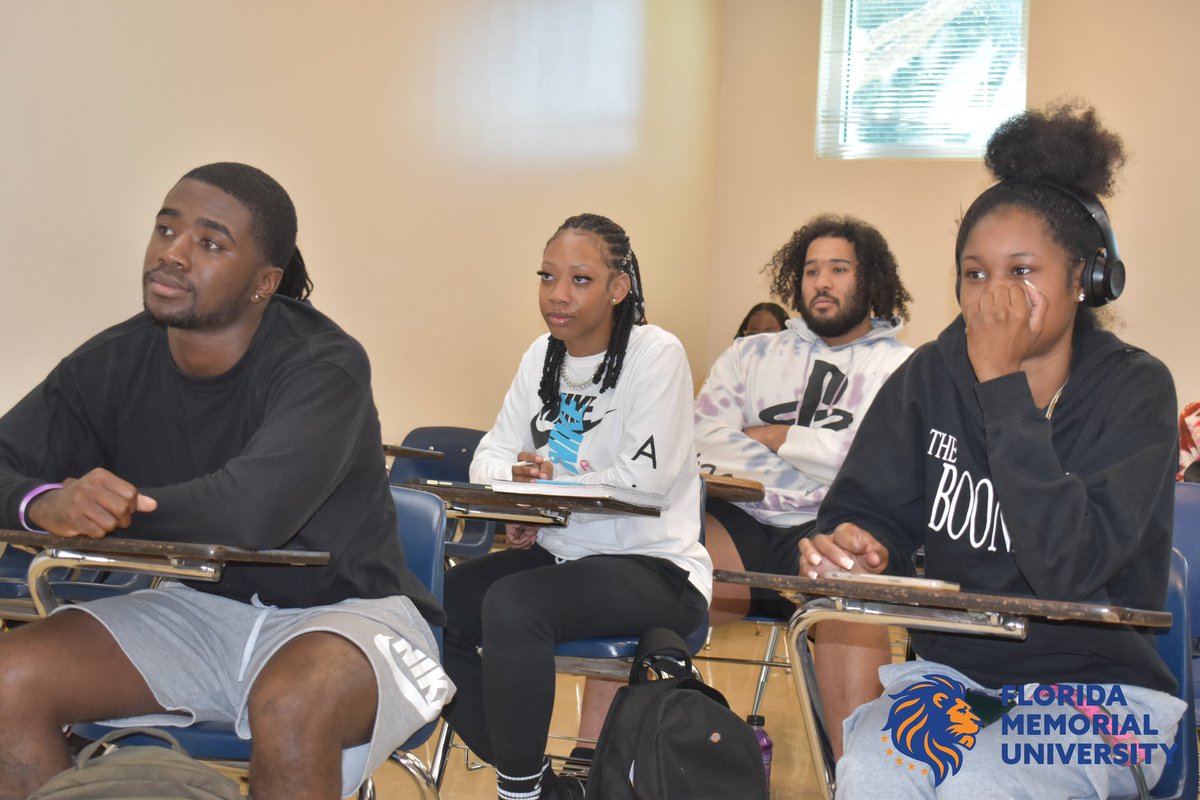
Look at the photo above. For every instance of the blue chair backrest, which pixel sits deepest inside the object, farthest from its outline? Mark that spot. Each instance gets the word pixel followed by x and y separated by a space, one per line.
pixel 421 520
pixel 1186 540
pixel 1174 647
pixel 458 445
pixel 466 538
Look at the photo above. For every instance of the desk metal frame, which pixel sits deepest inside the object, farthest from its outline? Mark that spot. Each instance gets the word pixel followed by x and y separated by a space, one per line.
pixel 186 561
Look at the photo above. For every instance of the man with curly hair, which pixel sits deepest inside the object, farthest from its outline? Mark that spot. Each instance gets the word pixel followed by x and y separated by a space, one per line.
pixel 783 409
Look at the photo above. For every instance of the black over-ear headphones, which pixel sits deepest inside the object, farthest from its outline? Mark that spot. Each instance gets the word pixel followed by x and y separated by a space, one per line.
pixel 1103 277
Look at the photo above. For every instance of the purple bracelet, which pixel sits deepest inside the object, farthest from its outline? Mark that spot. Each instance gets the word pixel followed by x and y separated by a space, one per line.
pixel 45 487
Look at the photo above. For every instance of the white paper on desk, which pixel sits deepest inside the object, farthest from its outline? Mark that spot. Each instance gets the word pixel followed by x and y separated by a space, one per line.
pixel 603 491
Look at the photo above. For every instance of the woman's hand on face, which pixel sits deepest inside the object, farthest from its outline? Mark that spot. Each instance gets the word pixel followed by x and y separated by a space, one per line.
pixel 532 467
pixel 521 537
pixel 848 549
pixel 1002 328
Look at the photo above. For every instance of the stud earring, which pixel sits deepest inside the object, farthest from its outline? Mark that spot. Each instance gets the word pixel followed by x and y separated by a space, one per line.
pixel 614 301
pixel 1081 296
pixel 256 298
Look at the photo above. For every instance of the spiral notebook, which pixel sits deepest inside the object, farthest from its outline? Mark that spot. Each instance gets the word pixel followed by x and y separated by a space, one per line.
pixel 603 491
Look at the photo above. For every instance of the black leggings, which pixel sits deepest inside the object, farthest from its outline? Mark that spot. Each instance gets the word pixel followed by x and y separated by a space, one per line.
pixel 518 604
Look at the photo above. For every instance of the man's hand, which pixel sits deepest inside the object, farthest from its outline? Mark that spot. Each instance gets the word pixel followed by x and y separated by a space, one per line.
pixel 521 537
pixel 848 549
pixel 1003 328
pixel 532 467
pixel 93 506
pixel 773 436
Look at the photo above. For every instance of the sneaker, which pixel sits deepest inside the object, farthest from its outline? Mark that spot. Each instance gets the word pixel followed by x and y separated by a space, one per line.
pixel 580 761
pixel 561 787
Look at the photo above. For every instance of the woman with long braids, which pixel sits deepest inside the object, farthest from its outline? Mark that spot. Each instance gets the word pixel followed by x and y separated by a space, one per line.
pixel 604 398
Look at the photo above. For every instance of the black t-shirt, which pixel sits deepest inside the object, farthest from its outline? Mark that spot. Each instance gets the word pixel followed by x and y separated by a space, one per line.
pixel 281 451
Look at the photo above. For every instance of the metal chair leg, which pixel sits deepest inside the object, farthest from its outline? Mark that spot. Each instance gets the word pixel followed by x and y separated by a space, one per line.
pixel 761 690
pixel 441 753
pixel 427 787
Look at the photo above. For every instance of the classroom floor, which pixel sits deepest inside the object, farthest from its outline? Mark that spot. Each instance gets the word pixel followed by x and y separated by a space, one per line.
pixel 791 771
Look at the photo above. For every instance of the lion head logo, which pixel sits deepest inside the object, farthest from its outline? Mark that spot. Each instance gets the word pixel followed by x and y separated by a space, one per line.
pixel 930 721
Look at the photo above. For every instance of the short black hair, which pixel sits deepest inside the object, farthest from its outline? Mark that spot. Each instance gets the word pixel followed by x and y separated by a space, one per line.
pixel 878 273
pixel 273 218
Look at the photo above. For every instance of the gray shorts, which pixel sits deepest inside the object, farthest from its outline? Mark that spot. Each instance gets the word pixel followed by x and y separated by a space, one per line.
pixel 200 654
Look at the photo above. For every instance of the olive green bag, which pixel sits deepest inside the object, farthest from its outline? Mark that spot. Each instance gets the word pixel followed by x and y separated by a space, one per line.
pixel 138 773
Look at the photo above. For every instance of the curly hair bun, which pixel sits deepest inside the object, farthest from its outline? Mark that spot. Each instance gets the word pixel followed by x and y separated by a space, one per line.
pixel 1063 143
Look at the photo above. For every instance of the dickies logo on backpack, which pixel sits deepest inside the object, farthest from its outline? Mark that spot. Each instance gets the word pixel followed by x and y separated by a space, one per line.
pixel 673 738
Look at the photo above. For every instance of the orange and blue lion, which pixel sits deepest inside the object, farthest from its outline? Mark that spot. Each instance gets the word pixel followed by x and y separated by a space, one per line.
pixel 932 722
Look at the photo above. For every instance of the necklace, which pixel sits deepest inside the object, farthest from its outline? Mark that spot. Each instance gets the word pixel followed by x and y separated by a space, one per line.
pixel 576 386
pixel 1054 400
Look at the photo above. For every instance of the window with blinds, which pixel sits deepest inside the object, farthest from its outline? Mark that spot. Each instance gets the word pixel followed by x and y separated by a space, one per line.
pixel 918 78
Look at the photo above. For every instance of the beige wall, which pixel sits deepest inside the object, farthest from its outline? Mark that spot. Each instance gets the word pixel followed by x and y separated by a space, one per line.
pixel 431 149
pixel 1133 60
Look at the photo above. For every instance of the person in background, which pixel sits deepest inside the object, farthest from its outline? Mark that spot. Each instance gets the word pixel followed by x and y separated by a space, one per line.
pixel 763 318
pixel 784 409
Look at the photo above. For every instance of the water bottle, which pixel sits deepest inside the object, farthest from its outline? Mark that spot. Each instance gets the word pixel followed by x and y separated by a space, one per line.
pixel 764 743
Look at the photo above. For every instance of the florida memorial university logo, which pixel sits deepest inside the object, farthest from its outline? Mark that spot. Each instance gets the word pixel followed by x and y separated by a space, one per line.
pixel 932 723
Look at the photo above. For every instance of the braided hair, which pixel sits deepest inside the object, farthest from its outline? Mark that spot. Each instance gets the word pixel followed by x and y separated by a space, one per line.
pixel 272 219
pixel 618 255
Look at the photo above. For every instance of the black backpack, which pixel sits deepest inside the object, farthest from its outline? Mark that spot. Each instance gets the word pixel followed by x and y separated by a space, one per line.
pixel 673 738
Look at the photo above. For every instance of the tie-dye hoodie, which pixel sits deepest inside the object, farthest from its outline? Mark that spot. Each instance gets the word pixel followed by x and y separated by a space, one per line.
pixel 791 378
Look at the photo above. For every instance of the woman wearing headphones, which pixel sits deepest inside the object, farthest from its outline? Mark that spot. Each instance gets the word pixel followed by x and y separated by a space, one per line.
pixel 1031 453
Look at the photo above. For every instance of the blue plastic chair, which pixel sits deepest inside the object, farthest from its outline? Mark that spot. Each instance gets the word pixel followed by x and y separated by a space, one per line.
pixel 1179 778
pixel 467 538
pixel 608 647
pixel 1186 540
pixel 421 521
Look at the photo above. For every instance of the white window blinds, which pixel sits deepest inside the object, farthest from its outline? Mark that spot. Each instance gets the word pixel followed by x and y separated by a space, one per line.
pixel 918 78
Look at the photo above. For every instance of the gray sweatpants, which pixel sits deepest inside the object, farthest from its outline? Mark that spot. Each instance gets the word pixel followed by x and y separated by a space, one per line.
pixel 1030 753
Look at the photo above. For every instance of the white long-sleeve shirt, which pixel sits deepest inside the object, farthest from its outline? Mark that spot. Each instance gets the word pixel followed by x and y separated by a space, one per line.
pixel 638 434
pixel 791 378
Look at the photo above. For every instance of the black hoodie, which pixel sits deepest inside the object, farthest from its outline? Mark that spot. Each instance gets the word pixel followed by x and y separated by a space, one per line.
pixel 1078 507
